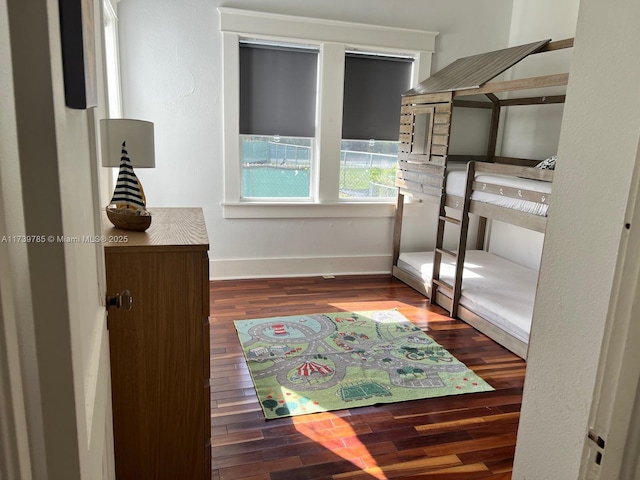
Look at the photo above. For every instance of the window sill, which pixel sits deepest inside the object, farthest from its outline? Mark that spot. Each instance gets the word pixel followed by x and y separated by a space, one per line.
pixel 308 210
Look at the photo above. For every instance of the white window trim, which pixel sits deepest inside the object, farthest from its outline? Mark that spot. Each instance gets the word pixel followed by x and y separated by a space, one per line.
pixel 332 38
pixel 112 60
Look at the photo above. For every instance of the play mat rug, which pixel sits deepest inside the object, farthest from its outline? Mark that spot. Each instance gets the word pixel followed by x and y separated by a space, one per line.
pixel 330 361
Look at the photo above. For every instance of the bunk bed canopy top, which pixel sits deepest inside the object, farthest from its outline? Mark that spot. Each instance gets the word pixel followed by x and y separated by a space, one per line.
pixel 476 70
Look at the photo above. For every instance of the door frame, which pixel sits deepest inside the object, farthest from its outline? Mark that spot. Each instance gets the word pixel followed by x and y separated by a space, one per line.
pixel 615 413
pixel 56 404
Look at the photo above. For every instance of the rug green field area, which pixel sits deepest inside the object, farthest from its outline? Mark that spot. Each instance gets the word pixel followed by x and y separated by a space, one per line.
pixel 314 363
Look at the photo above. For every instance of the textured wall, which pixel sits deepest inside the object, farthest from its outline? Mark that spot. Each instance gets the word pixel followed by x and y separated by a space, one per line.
pixel 533 131
pixel 597 153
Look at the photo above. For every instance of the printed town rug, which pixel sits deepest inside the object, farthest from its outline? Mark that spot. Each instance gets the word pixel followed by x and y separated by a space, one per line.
pixel 314 363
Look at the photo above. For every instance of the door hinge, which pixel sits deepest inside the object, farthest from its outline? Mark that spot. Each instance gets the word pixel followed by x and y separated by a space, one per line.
pixel 596 445
pixel 599 441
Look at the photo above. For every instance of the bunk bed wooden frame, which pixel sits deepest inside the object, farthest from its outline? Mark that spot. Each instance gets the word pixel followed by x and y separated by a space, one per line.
pixel 425 128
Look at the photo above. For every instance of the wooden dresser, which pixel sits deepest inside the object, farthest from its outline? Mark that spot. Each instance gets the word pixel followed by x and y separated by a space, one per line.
pixel 160 348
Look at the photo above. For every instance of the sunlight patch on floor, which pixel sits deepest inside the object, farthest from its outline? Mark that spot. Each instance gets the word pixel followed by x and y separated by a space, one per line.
pixel 417 314
pixel 360 306
pixel 339 437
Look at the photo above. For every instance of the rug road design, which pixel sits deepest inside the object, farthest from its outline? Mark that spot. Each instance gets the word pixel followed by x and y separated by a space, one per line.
pixel 313 363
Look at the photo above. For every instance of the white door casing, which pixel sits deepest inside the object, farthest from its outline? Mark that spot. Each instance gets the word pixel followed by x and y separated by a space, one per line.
pixel 53 286
pixel 612 449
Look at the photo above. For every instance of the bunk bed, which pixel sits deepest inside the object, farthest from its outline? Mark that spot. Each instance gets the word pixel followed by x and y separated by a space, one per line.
pixel 490 293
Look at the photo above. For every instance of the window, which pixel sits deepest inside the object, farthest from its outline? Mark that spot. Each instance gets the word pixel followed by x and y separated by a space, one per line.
pixel 312 157
pixel 373 87
pixel 277 119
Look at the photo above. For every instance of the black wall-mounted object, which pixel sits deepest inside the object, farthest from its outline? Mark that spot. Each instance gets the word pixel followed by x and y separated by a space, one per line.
pixel 77 32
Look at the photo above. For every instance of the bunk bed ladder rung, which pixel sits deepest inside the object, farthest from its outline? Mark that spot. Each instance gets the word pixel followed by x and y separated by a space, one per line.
pixel 443 284
pixel 436 283
pixel 453 220
pixel 447 252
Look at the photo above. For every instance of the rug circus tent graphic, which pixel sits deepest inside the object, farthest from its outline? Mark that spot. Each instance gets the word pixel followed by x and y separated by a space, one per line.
pixel 309 368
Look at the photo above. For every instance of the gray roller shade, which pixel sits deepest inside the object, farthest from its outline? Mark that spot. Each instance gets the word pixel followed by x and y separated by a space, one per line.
pixel 373 88
pixel 277 90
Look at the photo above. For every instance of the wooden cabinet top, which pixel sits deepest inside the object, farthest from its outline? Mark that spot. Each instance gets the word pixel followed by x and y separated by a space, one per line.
pixel 171 229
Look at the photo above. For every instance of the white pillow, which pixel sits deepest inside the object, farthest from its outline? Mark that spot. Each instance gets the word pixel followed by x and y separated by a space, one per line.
pixel 548 164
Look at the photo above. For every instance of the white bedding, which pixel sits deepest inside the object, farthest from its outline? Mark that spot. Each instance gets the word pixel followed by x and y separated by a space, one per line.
pixel 498 290
pixel 456 184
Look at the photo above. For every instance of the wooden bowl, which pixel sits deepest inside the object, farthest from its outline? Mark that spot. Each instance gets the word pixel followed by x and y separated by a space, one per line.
pixel 128 220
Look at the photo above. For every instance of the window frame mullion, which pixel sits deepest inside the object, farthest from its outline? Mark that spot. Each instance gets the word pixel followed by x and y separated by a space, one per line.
pixel 326 180
pixel 231 114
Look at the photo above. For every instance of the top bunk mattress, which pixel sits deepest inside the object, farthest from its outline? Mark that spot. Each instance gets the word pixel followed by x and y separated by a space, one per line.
pixel 456 181
pixel 498 290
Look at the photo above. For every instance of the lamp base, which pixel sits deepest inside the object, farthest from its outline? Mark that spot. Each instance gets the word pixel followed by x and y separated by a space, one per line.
pixel 127 219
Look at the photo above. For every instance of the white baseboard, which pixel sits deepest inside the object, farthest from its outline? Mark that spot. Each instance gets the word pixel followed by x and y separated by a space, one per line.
pixel 228 269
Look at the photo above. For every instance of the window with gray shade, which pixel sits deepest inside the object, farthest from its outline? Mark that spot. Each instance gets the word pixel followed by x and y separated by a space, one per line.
pixel 373 88
pixel 277 90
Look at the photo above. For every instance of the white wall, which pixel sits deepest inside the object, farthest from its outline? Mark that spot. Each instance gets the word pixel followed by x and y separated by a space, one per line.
pixel 171 75
pixel 533 131
pixel 597 153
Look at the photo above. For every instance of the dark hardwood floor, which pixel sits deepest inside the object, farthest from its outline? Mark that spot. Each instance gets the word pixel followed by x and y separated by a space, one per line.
pixel 459 437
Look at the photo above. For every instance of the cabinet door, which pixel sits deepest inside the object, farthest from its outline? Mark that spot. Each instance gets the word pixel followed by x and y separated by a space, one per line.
pixel 206 364
pixel 157 359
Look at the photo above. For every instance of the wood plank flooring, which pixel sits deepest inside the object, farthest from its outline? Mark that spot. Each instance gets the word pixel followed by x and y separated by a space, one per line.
pixel 459 437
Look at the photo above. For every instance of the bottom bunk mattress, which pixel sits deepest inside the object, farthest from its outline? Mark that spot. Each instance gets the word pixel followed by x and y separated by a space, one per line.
pixel 500 291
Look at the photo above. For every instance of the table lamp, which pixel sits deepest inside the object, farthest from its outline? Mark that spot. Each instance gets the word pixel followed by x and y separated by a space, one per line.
pixel 126 144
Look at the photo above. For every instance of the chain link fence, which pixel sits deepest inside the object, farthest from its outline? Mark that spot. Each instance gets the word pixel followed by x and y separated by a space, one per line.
pixel 367 174
pixel 280 169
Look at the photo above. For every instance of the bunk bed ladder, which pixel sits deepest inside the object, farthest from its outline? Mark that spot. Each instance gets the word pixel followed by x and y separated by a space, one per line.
pixel 455 290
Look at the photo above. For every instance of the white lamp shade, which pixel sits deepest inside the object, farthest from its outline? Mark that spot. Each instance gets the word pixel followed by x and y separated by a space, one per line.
pixel 138 135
